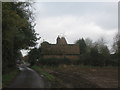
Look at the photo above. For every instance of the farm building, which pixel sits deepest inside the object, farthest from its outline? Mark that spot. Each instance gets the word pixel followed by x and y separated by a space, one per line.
pixel 60 50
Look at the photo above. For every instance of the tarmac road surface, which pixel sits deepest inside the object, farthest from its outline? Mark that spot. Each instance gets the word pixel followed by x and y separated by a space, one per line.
pixel 28 78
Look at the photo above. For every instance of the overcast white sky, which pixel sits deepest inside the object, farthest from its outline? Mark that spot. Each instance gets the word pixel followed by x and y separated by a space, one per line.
pixel 75 20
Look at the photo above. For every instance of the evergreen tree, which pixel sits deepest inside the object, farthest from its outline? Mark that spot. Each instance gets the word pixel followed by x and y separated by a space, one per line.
pixel 82 45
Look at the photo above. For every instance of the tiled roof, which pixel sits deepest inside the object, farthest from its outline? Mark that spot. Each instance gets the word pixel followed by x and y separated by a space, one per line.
pixel 55 49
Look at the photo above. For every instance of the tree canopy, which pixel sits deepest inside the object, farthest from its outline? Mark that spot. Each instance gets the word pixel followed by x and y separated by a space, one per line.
pixel 17 30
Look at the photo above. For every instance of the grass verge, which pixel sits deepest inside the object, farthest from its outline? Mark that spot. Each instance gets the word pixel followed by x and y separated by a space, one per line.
pixel 8 77
pixel 44 73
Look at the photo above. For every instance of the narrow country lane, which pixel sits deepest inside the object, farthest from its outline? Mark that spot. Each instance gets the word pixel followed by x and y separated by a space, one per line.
pixel 28 78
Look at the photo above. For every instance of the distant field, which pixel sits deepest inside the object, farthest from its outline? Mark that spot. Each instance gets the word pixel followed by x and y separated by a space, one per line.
pixel 72 76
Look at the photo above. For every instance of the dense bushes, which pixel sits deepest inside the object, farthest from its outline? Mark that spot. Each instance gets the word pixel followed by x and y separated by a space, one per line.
pixel 85 59
pixel 90 59
pixel 96 59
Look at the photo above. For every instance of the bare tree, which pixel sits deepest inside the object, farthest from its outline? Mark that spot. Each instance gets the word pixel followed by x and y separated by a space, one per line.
pixel 116 43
